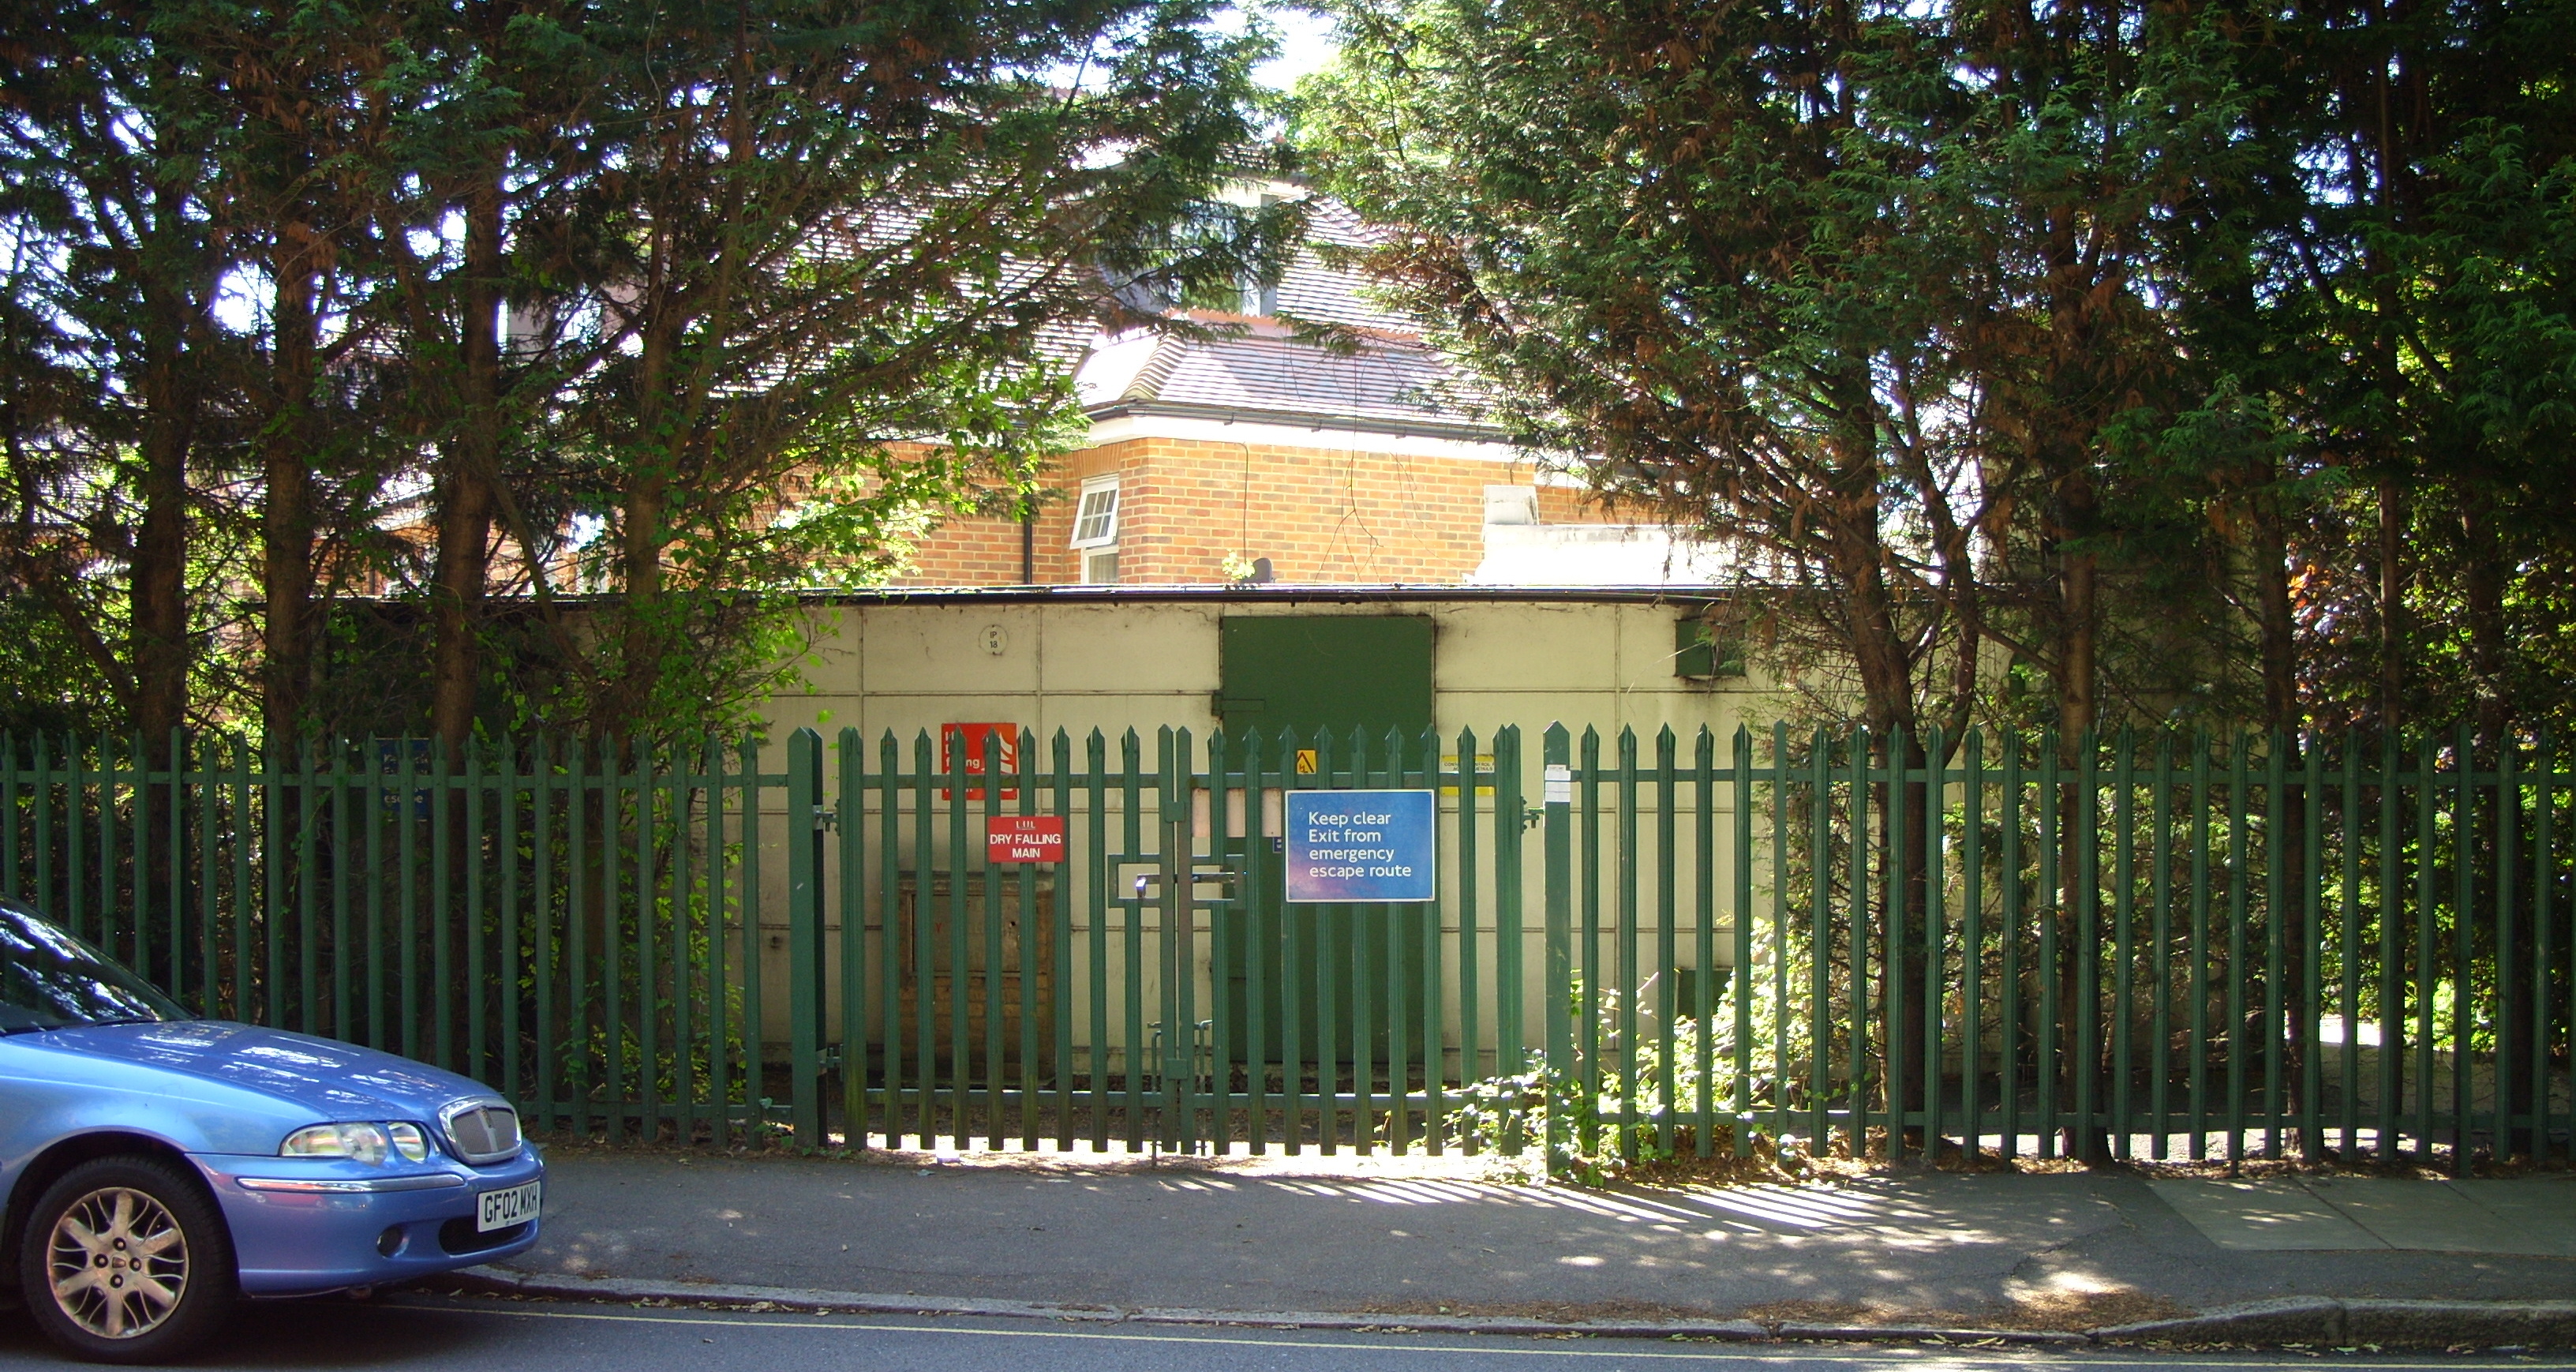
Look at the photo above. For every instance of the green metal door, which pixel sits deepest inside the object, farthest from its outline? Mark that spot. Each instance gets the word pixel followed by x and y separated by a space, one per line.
pixel 1315 673
pixel 1352 677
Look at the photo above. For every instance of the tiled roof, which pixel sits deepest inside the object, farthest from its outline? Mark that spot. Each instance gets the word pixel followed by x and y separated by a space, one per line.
pixel 1384 379
pixel 1318 294
pixel 1270 374
pixel 1065 342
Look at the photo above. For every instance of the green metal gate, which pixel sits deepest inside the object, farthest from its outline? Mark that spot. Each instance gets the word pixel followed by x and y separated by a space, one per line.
pixel 1144 1014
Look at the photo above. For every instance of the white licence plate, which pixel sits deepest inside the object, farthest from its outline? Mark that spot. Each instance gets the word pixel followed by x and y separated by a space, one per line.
pixel 501 1209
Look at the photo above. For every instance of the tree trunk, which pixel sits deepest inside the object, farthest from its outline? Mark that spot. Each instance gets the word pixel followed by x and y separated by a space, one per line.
pixel 1887 689
pixel 159 618
pixel 2078 608
pixel 1905 953
pixel 472 462
pixel 2483 578
pixel 160 579
pixel 160 612
pixel 286 516
pixel 2482 587
pixel 643 638
pixel 2274 626
pixel 2392 609
pixel 661 435
pixel 2276 631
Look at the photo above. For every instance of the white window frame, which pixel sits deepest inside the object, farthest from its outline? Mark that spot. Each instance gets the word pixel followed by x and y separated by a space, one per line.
pixel 1106 534
pixel 1260 298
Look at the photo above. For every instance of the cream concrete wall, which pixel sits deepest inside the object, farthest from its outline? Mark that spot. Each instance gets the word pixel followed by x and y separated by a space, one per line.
pixel 909 666
pixel 912 665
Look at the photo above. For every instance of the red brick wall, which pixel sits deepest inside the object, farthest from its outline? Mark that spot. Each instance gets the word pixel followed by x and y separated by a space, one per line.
pixel 1321 515
pixel 986 552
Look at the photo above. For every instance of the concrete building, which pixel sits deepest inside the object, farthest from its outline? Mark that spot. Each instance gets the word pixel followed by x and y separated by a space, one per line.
pixel 1080 658
pixel 936 669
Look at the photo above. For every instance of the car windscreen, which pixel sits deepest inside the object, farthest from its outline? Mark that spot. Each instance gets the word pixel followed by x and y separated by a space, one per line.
pixel 51 980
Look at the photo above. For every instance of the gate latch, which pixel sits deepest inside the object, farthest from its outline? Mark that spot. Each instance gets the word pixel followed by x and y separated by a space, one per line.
pixel 1223 878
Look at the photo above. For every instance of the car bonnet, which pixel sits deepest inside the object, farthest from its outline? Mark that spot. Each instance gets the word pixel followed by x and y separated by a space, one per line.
pixel 334 1080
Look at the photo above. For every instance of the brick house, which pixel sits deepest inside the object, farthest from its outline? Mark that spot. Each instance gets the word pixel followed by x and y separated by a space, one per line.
pixel 1264 455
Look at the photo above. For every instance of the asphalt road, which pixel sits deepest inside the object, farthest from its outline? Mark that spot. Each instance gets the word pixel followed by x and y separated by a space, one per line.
pixel 423 1334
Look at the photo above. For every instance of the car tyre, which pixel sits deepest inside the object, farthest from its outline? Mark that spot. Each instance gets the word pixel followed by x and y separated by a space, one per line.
pixel 126 1260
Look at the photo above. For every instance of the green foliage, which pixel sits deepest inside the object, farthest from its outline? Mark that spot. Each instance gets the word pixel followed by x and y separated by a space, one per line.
pixel 677 309
pixel 113 263
pixel 1585 1135
pixel 1507 1114
pixel 1799 281
pixel 51 688
pixel 2052 367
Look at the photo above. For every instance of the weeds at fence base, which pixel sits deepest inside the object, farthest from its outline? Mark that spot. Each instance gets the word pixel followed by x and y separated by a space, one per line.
pixel 1684 1167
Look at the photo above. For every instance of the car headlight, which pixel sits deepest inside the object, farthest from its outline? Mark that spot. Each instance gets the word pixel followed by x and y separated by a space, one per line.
pixel 409 1141
pixel 363 1142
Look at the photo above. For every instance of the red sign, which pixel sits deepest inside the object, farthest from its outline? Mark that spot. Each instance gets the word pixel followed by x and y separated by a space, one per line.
pixel 971 738
pixel 1024 838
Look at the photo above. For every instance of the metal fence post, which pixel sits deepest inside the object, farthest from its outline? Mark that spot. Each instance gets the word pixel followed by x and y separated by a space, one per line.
pixel 853 811
pixel 1174 1062
pixel 1557 796
pixel 805 971
pixel 1511 1043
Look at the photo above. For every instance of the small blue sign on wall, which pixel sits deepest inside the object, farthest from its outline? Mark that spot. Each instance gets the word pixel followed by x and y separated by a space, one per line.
pixel 1359 846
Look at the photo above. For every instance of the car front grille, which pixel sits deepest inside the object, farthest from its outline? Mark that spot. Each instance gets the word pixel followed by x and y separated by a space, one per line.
pixel 482 1131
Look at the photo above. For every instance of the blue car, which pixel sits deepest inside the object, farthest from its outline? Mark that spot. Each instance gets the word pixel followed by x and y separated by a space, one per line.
pixel 156 1167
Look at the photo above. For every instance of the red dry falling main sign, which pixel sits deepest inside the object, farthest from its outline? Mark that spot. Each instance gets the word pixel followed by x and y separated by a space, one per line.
pixel 1024 838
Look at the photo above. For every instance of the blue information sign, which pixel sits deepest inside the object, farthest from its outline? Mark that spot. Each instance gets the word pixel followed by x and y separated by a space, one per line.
pixel 1359 845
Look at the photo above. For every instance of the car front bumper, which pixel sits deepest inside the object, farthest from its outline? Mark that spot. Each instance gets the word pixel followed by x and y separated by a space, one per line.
pixel 303 1226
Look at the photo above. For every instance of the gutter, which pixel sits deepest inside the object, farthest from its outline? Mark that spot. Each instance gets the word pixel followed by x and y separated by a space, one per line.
pixel 1271 594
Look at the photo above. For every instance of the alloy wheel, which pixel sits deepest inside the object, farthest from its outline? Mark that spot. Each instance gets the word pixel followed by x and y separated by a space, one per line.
pixel 118 1262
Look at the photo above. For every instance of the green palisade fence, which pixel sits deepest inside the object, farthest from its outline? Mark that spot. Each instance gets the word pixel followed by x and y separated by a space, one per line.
pixel 2151 946
pixel 550 918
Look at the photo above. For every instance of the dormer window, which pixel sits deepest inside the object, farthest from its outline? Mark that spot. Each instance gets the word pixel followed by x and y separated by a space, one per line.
pixel 1245 295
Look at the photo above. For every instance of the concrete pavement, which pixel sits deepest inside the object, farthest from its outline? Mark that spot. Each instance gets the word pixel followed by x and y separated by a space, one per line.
pixel 2276 1260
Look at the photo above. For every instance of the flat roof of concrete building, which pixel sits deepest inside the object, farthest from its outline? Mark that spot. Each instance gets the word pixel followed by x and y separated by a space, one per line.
pixel 1273 593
